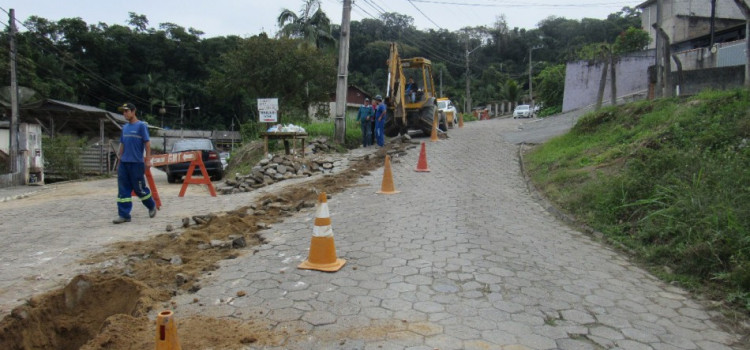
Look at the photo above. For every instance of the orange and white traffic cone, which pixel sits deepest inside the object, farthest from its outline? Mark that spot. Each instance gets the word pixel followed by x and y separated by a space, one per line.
pixel 387 186
pixel 322 248
pixel 433 134
pixel 166 332
pixel 422 162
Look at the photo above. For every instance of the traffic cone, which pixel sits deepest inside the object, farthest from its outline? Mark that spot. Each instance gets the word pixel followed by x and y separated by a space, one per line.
pixel 422 162
pixel 460 120
pixel 166 332
pixel 433 134
pixel 322 249
pixel 387 186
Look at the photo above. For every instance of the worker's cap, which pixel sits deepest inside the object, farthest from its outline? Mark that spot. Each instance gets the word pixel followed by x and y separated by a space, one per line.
pixel 127 106
pixel 367 99
pixel 378 98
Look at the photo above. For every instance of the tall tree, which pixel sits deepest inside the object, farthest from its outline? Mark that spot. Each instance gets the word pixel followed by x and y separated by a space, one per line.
pixel 311 25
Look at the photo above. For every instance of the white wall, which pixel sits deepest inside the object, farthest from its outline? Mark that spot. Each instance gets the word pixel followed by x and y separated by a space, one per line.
pixel 582 80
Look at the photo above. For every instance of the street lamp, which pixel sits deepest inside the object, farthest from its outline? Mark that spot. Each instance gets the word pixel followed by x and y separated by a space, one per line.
pixel 531 90
pixel 182 109
pixel 467 106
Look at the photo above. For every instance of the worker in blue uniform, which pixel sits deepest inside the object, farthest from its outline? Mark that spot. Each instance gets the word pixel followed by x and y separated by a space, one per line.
pixel 380 115
pixel 134 142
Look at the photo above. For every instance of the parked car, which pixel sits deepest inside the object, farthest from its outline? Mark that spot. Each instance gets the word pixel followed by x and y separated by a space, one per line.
pixel 451 114
pixel 224 156
pixel 522 111
pixel 210 157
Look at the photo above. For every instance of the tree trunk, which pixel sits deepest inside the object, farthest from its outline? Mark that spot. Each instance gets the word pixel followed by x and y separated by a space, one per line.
pixel 602 85
pixel 612 79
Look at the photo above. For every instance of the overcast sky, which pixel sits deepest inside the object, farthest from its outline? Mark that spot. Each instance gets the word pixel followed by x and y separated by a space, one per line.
pixel 249 17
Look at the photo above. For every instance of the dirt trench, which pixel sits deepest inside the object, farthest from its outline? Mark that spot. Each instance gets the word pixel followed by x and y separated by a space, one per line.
pixel 108 309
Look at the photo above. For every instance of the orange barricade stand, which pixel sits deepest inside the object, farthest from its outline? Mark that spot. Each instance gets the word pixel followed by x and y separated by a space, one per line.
pixel 152 186
pixel 195 159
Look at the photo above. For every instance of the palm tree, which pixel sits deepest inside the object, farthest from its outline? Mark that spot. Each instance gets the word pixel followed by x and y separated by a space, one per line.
pixel 312 25
pixel 510 92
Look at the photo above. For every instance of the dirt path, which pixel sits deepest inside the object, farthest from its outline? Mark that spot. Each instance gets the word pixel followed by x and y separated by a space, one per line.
pixel 124 271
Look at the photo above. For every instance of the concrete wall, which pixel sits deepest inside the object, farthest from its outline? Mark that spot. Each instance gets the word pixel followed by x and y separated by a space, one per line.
pixel 582 80
pixel 727 54
pixel 686 19
pixel 715 78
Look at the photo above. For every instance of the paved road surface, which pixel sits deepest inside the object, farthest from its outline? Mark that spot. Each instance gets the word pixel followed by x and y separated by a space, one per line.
pixel 462 258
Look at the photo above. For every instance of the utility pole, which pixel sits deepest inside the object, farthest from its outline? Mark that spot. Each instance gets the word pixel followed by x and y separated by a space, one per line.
pixel 182 113
pixel 658 43
pixel 531 90
pixel 341 83
pixel 746 11
pixel 13 134
pixel 441 82
pixel 467 102
pixel 713 22
pixel 467 107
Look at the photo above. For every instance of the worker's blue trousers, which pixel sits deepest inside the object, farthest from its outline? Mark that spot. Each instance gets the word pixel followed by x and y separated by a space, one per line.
pixel 380 132
pixel 130 179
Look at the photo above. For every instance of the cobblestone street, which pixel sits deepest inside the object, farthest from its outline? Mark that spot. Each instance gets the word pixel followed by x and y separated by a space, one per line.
pixel 463 258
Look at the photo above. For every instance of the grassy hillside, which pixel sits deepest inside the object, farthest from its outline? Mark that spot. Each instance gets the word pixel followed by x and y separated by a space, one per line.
pixel 667 179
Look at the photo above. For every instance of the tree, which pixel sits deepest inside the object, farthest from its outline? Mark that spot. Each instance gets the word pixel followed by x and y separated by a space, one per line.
pixel 632 39
pixel 263 67
pixel 551 85
pixel 312 26
pixel 511 92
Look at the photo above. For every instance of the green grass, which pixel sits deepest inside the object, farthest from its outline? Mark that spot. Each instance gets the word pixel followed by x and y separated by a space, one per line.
pixel 669 180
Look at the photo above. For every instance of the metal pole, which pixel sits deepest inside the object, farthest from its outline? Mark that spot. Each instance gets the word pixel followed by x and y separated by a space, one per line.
pixel 658 43
pixel 746 11
pixel 713 22
pixel 341 84
pixel 13 134
pixel 531 89
pixel 467 102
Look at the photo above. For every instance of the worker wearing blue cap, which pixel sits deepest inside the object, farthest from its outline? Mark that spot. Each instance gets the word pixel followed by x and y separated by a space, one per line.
pixel 134 142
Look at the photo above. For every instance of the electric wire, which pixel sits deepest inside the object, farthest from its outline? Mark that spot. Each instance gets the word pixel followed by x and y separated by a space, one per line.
pixel 409 38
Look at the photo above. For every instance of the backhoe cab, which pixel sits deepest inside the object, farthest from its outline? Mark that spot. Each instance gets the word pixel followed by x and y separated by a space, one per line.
pixel 410 108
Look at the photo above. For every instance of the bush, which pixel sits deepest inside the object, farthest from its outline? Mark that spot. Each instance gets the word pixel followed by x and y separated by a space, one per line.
pixel 62 156
pixel 667 179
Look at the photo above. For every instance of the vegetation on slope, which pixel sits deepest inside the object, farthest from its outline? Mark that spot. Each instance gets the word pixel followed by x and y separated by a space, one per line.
pixel 668 180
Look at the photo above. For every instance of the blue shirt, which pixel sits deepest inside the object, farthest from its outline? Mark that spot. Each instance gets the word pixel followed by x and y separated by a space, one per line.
pixel 380 111
pixel 134 137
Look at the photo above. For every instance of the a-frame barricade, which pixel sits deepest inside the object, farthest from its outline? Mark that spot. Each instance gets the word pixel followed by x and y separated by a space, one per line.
pixel 195 159
pixel 205 180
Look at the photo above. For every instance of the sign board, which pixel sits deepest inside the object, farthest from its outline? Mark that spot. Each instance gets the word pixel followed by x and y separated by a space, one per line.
pixel 268 116
pixel 268 108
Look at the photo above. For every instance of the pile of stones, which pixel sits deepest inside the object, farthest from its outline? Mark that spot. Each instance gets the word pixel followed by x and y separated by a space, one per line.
pixel 282 167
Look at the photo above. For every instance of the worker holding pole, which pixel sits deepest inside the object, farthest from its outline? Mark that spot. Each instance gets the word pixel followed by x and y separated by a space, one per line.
pixel 133 142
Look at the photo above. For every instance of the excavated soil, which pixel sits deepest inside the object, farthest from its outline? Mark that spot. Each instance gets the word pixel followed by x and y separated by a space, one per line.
pixel 108 309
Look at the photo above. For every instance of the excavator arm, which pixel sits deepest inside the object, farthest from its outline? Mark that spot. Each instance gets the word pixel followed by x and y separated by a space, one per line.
pixel 396 85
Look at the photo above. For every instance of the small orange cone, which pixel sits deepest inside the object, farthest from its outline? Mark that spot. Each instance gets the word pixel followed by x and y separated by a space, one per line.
pixel 322 248
pixel 166 332
pixel 433 134
pixel 387 186
pixel 422 162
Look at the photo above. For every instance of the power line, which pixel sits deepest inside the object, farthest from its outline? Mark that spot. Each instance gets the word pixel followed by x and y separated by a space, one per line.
pixel 409 38
pixel 526 4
